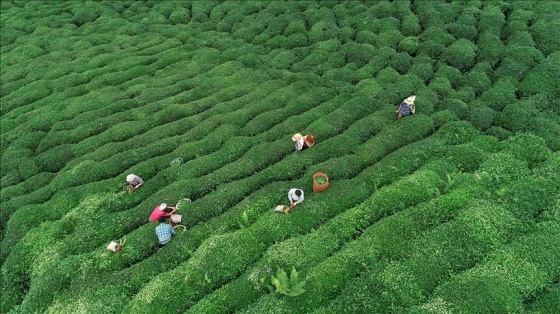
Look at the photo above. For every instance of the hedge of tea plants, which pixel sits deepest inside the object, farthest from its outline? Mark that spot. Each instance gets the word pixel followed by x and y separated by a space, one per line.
pixel 452 209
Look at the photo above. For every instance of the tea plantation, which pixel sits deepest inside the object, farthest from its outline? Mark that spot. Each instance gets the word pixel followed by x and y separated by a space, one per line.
pixel 455 209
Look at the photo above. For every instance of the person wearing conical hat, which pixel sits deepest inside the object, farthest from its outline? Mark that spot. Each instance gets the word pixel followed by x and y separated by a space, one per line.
pixel 134 181
pixel 162 210
pixel 303 142
pixel 406 107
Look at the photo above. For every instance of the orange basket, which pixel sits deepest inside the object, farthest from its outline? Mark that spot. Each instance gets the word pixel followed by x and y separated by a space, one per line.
pixel 320 187
pixel 309 140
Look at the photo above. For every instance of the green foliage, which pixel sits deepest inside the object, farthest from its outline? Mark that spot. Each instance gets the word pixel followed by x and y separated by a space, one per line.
pixel 360 54
pixel 478 80
pixel 84 13
pixel 508 276
pixel 461 54
pixel 410 25
pixel 482 117
pixel 466 157
pixel 409 45
pixel 518 116
pixel 491 19
pixel 290 286
pixel 244 220
pixel 424 71
pixel 56 158
pixel 458 107
pixel 401 62
pixel 540 81
pixel 499 132
pixel 453 209
pixel 544 35
pixel 457 132
pixel 528 147
pixel 490 48
pixel 500 168
pixel 501 94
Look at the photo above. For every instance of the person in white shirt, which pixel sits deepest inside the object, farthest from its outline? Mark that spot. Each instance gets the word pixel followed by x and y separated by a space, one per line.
pixel 296 197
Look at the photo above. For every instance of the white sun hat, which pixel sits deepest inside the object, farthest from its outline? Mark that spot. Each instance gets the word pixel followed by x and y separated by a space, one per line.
pixel 130 177
pixel 410 100
pixel 162 206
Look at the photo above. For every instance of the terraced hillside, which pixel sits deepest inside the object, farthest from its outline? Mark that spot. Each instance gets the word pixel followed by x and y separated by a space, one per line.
pixel 455 209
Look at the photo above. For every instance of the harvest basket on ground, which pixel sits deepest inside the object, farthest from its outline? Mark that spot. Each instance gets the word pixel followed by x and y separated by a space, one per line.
pixel 320 182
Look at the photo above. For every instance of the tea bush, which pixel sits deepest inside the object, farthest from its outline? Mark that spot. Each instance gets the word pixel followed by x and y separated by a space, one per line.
pixel 460 30
pixel 539 82
pixel 501 94
pixel 458 107
pixel 547 300
pixel 500 168
pixel 544 36
pixel 547 129
pixel 518 270
pixel 482 117
pixel 461 54
pixel 370 239
pixel 518 116
pixel 454 208
pixel 528 147
pixel 406 284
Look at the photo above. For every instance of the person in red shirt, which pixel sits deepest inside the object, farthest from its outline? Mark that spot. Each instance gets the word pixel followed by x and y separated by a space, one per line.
pixel 162 210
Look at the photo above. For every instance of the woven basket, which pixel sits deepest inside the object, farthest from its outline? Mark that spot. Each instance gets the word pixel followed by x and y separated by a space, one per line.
pixel 320 187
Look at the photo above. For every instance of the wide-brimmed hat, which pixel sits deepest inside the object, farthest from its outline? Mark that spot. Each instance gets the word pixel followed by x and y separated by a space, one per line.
pixel 130 177
pixel 410 100
pixel 162 206
pixel 296 137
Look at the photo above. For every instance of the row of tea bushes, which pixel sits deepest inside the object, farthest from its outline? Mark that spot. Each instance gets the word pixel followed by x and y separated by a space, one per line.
pixel 448 249
pixel 322 211
pixel 507 278
pixel 414 36
pixel 283 171
pixel 270 231
pixel 377 243
pixel 302 253
pixel 115 160
pixel 244 284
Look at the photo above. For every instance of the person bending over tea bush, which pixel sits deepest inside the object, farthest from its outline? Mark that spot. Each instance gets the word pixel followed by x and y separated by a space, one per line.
pixel 164 231
pixel 134 182
pixel 406 107
pixel 303 142
pixel 162 210
pixel 296 197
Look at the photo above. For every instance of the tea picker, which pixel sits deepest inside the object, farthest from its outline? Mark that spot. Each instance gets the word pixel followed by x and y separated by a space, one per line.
pixel 134 182
pixel 162 210
pixel 165 231
pixel 406 107
pixel 295 196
